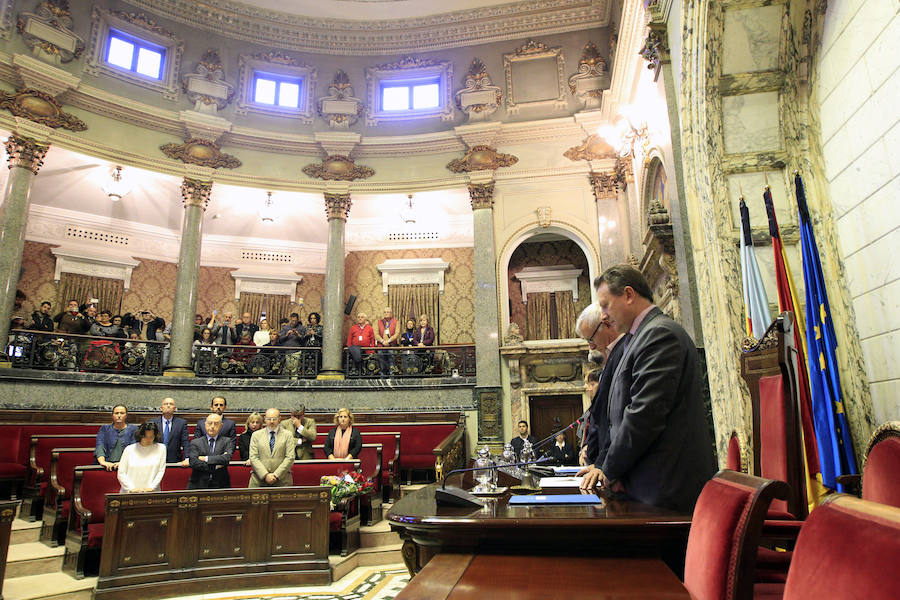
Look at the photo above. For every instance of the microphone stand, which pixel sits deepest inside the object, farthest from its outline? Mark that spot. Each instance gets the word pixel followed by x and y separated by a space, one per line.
pixel 452 496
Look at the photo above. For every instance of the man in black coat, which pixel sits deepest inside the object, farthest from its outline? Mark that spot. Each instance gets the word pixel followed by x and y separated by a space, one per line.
pixel 174 431
pixel 518 442
pixel 659 452
pixel 218 406
pixel 209 456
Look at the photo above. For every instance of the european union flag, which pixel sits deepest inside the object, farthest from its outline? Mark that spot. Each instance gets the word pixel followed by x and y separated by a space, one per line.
pixel 832 433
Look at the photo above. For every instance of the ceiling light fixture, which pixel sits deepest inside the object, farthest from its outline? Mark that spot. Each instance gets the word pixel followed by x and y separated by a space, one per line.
pixel 408 211
pixel 267 213
pixel 116 187
pixel 630 129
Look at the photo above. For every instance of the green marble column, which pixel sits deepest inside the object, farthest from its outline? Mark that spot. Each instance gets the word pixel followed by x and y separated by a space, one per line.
pixel 25 158
pixel 337 207
pixel 195 195
pixel 487 345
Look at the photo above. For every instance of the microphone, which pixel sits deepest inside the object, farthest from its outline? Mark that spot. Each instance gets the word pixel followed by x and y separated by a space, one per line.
pixel 453 496
pixel 552 436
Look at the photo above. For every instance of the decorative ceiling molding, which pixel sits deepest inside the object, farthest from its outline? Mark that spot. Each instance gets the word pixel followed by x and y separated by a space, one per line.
pixel 40 107
pixel 338 168
pixel 593 147
pixel 80 262
pixel 48 32
pixel 283 284
pixel 196 151
pixel 206 86
pixel 481 158
pixel 549 279
pixel 630 40
pixel 268 28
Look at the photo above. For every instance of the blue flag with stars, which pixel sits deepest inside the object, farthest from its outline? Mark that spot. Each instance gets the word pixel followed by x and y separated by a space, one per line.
pixel 829 420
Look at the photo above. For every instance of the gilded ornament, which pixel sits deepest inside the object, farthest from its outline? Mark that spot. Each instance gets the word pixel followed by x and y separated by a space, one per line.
pixel 656 48
pixel 481 158
pixel 604 185
pixel 479 98
pixel 200 152
pixel 337 206
pixel 142 21
pixel 532 47
pixel 40 107
pixel 593 147
pixel 591 79
pixel 543 214
pixel 197 85
pixel 340 108
pixel 53 15
pixel 277 57
pixel 408 62
pixel 338 168
pixel 195 193
pixel 26 153
pixel 513 335
pixel 481 195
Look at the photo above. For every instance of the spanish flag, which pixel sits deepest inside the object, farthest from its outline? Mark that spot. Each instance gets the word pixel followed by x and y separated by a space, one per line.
pixel 756 303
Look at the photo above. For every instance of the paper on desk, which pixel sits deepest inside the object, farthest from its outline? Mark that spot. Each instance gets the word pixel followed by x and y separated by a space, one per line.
pixel 566 470
pixel 560 482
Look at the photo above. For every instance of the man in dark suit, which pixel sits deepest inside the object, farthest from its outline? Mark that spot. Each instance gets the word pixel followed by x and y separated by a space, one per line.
pixel 246 324
pixel 209 455
pixel 218 406
pixel 174 433
pixel 659 451
pixel 603 339
pixel 518 442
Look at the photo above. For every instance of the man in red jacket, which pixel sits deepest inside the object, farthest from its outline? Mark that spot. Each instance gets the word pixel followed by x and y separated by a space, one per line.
pixel 360 335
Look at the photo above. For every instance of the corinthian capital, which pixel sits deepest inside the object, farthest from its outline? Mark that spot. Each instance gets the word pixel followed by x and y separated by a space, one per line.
pixel 26 153
pixel 604 185
pixel 195 192
pixel 481 195
pixel 337 206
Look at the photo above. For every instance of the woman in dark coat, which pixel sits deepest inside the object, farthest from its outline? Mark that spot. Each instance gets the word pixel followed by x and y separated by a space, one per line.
pixel 254 422
pixel 344 441
pixel 562 452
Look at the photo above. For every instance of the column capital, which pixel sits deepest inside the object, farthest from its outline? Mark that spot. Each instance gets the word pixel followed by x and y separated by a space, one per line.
pixel 605 185
pixel 481 195
pixel 337 205
pixel 195 192
pixel 26 153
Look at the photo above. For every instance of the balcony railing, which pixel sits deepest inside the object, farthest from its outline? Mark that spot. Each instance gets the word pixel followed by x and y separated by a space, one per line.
pixel 67 352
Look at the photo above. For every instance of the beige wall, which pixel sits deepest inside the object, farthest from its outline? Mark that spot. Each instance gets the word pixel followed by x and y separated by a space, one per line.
pixel 858 86
pixel 457 317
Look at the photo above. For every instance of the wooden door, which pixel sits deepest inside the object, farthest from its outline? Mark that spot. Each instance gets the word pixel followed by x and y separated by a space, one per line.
pixel 551 413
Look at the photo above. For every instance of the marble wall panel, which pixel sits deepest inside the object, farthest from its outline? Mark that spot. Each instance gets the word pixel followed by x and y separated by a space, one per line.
pixel 886 401
pixel 753 186
pixel 848 95
pixel 545 254
pixel 875 265
pixel 869 220
pixel 750 123
pixel 882 354
pixel 878 310
pixel 457 318
pixel 752 37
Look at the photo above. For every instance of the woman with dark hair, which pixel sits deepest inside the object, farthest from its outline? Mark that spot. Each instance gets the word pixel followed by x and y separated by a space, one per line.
pixel 343 441
pixel 143 464
pixel 314 331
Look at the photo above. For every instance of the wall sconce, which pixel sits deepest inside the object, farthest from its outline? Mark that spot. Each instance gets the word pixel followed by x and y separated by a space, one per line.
pixel 629 129
pixel 267 213
pixel 116 187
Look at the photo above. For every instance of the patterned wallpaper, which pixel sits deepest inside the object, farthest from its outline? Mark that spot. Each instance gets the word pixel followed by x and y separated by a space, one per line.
pixel 457 318
pixel 544 254
pixel 37 282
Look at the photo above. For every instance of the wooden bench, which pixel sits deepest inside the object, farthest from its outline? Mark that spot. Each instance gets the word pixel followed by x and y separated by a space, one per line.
pixel 40 448
pixel 433 446
pixel 57 496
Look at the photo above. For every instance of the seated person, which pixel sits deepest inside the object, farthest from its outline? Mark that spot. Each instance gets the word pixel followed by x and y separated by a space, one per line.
pixel 343 441
pixel 112 439
pixel 254 423
pixel 562 451
pixel 209 456
pixel 519 441
pixel 143 464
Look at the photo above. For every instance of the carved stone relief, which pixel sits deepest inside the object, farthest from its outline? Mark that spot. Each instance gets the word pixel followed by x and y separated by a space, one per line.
pixel 206 86
pixel 48 32
pixel 592 78
pixel 340 108
pixel 478 98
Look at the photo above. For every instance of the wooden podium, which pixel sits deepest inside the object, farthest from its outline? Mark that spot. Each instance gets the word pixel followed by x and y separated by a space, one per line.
pixel 198 541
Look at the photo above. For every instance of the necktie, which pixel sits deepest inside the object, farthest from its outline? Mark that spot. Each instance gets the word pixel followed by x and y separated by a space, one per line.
pixel 271 441
pixel 212 446
pixel 166 433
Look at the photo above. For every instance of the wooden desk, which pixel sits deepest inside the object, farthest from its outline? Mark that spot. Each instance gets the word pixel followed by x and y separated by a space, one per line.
pixel 616 528
pixel 473 577
pixel 7 515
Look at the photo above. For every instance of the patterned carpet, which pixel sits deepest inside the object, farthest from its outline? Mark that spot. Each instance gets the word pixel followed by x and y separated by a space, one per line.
pixel 363 583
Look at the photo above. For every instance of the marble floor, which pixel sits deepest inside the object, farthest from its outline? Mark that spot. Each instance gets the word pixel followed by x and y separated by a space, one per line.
pixel 381 582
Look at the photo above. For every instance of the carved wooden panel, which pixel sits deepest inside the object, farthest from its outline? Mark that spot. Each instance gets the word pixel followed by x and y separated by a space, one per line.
pixel 221 535
pixel 291 532
pixel 144 540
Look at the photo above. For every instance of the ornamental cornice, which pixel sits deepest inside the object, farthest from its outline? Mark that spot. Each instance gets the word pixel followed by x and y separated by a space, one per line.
pixel 385 36
pixel 338 168
pixel 481 158
pixel 593 147
pixel 200 152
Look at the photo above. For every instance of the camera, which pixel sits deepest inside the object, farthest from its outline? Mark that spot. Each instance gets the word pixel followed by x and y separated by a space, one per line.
pixel 94 301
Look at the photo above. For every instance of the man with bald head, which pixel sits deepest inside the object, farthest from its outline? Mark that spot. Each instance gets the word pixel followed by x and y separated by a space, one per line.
pixel 174 433
pixel 209 455
pixel 271 453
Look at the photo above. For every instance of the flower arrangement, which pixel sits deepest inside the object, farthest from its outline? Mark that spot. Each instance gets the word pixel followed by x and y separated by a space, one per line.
pixel 347 485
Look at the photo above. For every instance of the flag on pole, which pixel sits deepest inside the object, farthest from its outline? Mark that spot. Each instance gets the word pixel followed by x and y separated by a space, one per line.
pixel 787 300
pixel 756 303
pixel 832 432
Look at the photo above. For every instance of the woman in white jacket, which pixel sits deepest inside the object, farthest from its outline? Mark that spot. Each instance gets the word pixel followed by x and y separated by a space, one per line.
pixel 142 465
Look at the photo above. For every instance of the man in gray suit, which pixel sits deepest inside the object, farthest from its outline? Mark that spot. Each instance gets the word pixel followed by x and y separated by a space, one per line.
pixel 271 453
pixel 660 452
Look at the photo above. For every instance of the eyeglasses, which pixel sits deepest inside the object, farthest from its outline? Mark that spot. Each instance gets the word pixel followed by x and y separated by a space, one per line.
pixel 599 325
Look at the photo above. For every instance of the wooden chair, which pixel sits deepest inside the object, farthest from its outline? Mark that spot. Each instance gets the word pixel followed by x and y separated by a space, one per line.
pixel 725 530
pixel 881 466
pixel 738 455
pixel 769 368
pixel 848 548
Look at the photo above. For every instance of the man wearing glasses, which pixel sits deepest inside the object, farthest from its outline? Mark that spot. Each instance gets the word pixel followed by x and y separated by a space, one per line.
pixel 603 339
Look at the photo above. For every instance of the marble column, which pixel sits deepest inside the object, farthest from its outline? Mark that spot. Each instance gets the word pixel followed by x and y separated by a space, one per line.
pixel 25 158
pixel 195 195
pixel 487 346
pixel 337 207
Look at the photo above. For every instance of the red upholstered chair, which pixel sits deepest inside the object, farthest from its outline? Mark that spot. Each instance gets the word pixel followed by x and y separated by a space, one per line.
pixel 737 458
pixel 881 474
pixel 87 515
pixel 175 478
pixel 725 530
pixel 848 548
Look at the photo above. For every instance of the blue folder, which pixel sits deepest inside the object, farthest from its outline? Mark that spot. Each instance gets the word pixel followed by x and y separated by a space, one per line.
pixel 556 499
